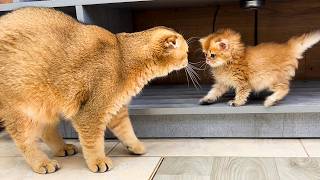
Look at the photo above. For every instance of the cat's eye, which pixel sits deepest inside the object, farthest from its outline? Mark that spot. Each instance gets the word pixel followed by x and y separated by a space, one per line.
pixel 212 55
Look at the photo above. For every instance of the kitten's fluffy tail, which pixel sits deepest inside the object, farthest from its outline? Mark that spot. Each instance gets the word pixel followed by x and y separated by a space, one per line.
pixel 301 43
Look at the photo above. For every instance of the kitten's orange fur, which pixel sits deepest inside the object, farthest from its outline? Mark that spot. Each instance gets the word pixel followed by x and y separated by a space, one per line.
pixel 268 66
pixel 51 66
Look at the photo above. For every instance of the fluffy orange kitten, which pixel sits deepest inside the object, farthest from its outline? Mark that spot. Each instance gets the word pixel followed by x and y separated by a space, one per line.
pixel 268 66
pixel 51 66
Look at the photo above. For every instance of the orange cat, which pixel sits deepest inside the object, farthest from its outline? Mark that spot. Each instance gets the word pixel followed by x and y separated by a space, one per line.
pixel 268 66
pixel 51 66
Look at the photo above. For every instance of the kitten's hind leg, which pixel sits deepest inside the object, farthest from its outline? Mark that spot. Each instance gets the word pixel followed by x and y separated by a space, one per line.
pixel 121 127
pixel 53 139
pixel 242 94
pixel 279 92
pixel 25 133
pixel 217 91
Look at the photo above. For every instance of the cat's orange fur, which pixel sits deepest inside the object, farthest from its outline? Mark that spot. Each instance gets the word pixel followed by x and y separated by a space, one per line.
pixel 268 66
pixel 51 66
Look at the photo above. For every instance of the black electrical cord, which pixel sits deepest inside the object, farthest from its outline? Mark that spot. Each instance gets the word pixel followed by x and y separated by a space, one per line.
pixel 215 17
pixel 254 5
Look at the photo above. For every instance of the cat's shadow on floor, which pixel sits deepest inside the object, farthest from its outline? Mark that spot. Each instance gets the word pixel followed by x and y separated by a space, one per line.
pixel 254 97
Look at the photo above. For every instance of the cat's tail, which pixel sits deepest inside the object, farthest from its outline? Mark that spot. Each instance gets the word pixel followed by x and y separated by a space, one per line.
pixel 301 43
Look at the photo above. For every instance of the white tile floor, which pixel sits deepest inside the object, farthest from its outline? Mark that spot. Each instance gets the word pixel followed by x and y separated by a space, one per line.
pixel 12 165
pixel 312 147
pixel 220 147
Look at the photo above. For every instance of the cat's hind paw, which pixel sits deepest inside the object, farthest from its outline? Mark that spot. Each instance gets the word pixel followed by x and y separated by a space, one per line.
pixel 68 150
pixel 138 148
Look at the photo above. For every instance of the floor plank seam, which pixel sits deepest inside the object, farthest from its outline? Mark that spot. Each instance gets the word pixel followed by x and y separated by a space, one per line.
pixel 156 169
pixel 304 148
pixel 276 164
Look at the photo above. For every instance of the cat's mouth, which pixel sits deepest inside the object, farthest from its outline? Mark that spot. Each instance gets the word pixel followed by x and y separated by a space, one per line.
pixel 182 65
pixel 214 63
pixel 208 61
pixel 185 64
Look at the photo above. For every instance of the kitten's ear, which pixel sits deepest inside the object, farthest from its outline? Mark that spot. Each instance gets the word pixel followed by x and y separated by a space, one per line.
pixel 223 45
pixel 171 42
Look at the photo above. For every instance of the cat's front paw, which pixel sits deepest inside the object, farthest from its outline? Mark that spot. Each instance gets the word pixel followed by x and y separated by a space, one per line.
pixel 206 101
pixel 235 103
pixel 137 148
pixel 269 102
pixel 45 166
pixel 99 165
pixel 67 150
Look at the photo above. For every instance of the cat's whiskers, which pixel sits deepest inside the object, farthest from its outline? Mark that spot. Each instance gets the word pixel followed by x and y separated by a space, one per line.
pixel 195 74
pixel 194 77
pixel 194 67
pixel 197 50
pixel 185 70
pixel 194 81
pixel 192 39
pixel 195 63
pixel 205 65
pixel 199 68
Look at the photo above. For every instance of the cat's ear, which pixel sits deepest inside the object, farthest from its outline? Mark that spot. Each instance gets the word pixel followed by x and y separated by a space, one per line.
pixel 171 42
pixel 223 45
pixel 202 40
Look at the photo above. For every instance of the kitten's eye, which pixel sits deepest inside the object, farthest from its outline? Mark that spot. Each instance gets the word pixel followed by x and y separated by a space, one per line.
pixel 212 55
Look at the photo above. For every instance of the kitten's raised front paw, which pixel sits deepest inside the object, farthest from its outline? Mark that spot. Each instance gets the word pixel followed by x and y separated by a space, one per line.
pixel 46 166
pixel 68 150
pixel 100 165
pixel 235 103
pixel 138 148
pixel 206 101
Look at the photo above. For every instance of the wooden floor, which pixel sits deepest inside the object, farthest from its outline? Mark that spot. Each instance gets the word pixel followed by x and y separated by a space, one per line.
pixel 304 97
pixel 238 168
